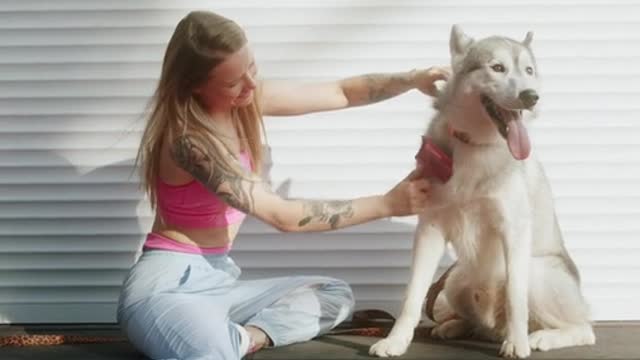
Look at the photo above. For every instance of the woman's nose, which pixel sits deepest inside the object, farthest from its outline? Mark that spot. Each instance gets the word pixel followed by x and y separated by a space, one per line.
pixel 250 81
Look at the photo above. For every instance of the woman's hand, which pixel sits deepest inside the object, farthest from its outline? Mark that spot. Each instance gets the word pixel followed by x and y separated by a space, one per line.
pixel 424 79
pixel 410 195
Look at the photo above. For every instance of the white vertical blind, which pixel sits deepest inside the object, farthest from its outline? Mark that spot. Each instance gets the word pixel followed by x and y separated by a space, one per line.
pixel 75 76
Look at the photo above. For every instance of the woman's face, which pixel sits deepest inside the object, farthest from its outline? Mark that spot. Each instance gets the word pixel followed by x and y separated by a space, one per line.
pixel 231 83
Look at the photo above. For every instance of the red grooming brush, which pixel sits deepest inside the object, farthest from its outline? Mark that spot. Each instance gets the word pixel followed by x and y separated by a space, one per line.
pixel 436 163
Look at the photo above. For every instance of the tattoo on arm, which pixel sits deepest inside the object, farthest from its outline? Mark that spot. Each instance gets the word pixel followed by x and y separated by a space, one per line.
pixel 329 212
pixel 239 191
pixel 384 86
pixel 238 198
pixel 188 153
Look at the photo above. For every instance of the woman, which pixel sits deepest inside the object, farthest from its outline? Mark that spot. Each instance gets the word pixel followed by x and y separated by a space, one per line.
pixel 200 156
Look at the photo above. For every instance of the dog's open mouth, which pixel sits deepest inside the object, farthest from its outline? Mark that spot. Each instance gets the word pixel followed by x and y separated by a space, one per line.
pixel 510 125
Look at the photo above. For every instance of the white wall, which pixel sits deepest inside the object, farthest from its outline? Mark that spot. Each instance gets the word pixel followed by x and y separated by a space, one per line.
pixel 75 75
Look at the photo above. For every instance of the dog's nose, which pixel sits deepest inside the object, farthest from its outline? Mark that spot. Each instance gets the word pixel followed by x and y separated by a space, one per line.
pixel 528 97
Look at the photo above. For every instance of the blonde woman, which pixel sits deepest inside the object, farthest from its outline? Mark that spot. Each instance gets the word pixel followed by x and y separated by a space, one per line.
pixel 200 157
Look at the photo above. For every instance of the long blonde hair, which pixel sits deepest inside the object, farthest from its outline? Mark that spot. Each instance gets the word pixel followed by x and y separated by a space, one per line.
pixel 201 41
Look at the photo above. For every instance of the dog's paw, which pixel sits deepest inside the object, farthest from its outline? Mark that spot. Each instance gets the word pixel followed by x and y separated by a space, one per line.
pixel 548 339
pixel 391 346
pixel 451 329
pixel 517 348
pixel 542 340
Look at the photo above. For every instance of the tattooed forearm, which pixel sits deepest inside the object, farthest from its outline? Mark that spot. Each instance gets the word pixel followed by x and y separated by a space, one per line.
pixel 329 212
pixel 371 88
pixel 188 154
pixel 382 87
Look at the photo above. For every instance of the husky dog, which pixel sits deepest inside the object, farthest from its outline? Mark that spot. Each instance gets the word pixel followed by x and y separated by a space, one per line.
pixel 514 281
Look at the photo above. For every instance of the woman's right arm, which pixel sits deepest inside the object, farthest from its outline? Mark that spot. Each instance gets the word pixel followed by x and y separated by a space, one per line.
pixel 252 195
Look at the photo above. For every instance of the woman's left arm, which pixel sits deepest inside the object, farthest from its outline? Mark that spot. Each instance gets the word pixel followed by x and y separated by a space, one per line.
pixel 280 98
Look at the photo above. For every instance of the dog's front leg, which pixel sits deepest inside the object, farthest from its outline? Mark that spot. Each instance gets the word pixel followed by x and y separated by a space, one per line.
pixel 517 252
pixel 428 247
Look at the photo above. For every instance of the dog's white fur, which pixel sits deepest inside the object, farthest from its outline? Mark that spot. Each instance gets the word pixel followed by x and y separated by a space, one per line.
pixel 514 280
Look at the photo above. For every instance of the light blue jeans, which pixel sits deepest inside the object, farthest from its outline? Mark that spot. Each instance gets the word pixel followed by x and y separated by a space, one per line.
pixel 184 306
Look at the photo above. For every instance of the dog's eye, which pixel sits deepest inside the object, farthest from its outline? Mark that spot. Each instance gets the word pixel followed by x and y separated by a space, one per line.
pixel 498 68
pixel 529 70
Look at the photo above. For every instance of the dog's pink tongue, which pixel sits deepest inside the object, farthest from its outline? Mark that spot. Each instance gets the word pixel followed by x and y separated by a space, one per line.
pixel 518 140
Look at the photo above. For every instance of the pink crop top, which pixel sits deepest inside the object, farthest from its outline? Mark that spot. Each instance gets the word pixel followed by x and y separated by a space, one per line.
pixel 193 206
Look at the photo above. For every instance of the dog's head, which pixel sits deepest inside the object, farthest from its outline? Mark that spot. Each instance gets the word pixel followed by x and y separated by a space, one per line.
pixel 500 74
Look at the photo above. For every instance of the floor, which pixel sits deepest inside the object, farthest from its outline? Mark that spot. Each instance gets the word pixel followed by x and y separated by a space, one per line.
pixel 620 341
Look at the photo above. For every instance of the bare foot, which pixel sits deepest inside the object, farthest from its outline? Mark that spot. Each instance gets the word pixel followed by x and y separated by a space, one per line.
pixel 259 338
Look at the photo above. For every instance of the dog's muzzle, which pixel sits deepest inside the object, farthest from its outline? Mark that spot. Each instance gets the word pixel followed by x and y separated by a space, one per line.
pixel 529 98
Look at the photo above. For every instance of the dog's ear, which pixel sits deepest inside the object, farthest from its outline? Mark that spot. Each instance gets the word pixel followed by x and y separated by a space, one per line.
pixel 528 39
pixel 459 42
